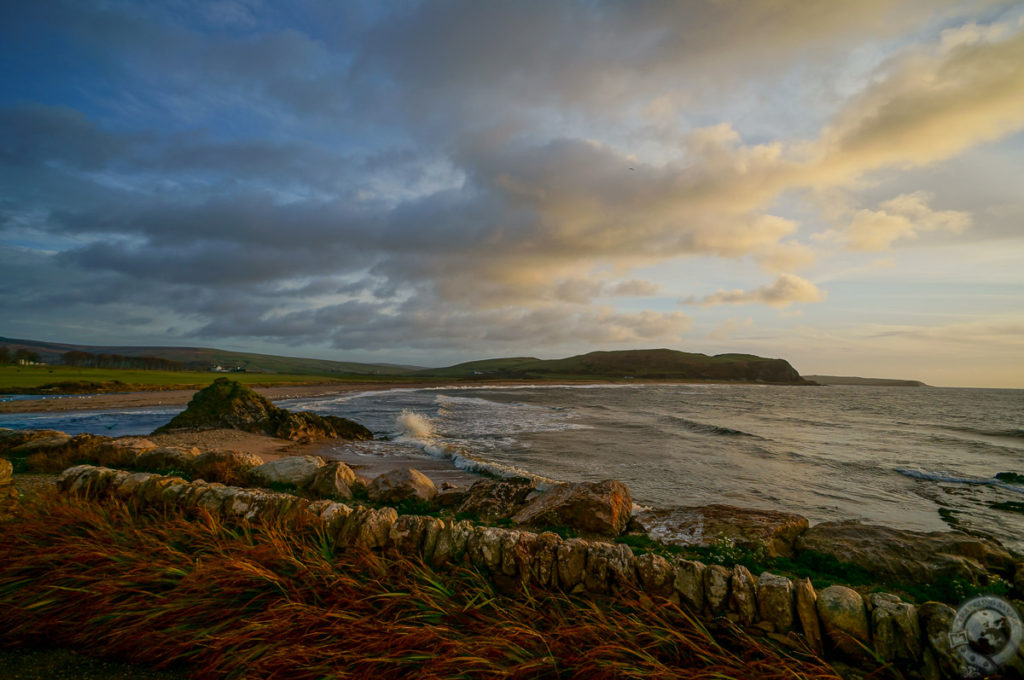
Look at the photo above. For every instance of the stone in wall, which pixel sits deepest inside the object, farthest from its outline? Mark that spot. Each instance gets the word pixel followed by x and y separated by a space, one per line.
pixel 844 620
pixel 228 467
pixel 572 563
pixel 807 612
pixel 775 601
pixel 895 629
pixel 656 574
pixel 743 595
pixel 688 582
pixel 939 658
pixel 716 588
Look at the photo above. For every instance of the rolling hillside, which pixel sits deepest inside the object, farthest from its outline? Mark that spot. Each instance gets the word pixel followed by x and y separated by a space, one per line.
pixel 651 364
pixel 204 359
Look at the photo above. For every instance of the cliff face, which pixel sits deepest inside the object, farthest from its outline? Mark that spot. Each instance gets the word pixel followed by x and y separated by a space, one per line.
pixel 228 404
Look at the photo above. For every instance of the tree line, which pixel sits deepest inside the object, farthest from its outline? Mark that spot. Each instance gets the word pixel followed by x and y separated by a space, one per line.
pixel 18 356
pixel 90 360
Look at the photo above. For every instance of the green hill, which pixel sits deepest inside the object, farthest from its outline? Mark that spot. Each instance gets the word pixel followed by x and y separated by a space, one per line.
pixel 651 364
pixel 205 359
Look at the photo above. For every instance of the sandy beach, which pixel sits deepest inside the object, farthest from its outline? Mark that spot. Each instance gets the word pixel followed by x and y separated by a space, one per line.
pixel 143 399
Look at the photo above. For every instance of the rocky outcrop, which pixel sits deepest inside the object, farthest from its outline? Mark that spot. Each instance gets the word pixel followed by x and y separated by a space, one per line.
pixel 769 531
pixel 908 556
pixel 296 471
pixel 230 404
pixel 844 619
pixel 400 485
pixel 595 507
pixel 493 500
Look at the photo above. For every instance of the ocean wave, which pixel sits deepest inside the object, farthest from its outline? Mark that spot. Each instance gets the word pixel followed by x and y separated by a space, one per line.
pixel 953 479
pixel 707 428
pixel 418 430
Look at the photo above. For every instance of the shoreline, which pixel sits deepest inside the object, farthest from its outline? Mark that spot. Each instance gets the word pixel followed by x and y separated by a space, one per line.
pixel 148 398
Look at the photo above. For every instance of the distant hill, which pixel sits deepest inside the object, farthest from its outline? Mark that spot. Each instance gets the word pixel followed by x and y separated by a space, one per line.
pixel 639 363
pixel 851 380
pixel 204 359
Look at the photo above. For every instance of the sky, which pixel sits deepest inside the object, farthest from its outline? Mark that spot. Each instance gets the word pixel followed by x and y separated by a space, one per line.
pixel 836 184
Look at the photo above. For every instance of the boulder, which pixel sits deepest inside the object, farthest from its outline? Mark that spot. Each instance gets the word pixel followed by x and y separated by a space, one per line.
pixel 770 531
pixel 716 587
pixel 400 485
pixel 34 441
pixel 295 471
pixel 494 500
pixel 6 471
pixel 123 452
pixel 903 556
pixel 230 404
pixel 688 582
pixel 333 480
pixel 844 619
pixel 164 458
pixel 227 467
pixel 807 612
pixel 775 601
pixel 743 595
pixel 895 630
pixel 450 496
pixel 595 507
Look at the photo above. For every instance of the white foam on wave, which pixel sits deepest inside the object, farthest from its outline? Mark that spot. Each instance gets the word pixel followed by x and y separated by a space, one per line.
pixel 415 426
pixel 418 429
pixel 950 479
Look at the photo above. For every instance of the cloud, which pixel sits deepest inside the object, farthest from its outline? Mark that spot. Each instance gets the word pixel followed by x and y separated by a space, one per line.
pixel 459 172
pixel 900 218
pixel 783 292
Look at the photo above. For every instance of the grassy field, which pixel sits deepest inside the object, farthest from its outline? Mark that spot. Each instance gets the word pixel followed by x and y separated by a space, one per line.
pixel 284 601
pixel 20 377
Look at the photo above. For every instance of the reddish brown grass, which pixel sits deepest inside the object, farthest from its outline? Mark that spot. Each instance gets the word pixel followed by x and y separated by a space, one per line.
pixel 269 603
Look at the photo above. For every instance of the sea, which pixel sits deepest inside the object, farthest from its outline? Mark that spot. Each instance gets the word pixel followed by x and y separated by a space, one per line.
pixel 919 458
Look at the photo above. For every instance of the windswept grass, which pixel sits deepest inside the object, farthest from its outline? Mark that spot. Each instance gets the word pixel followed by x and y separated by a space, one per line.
pixel 269 603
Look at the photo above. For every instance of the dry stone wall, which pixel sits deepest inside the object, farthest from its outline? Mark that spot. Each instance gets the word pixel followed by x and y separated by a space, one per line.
pixel 838 621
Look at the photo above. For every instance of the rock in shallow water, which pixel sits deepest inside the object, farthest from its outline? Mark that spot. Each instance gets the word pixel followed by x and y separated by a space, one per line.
pixel 708 525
